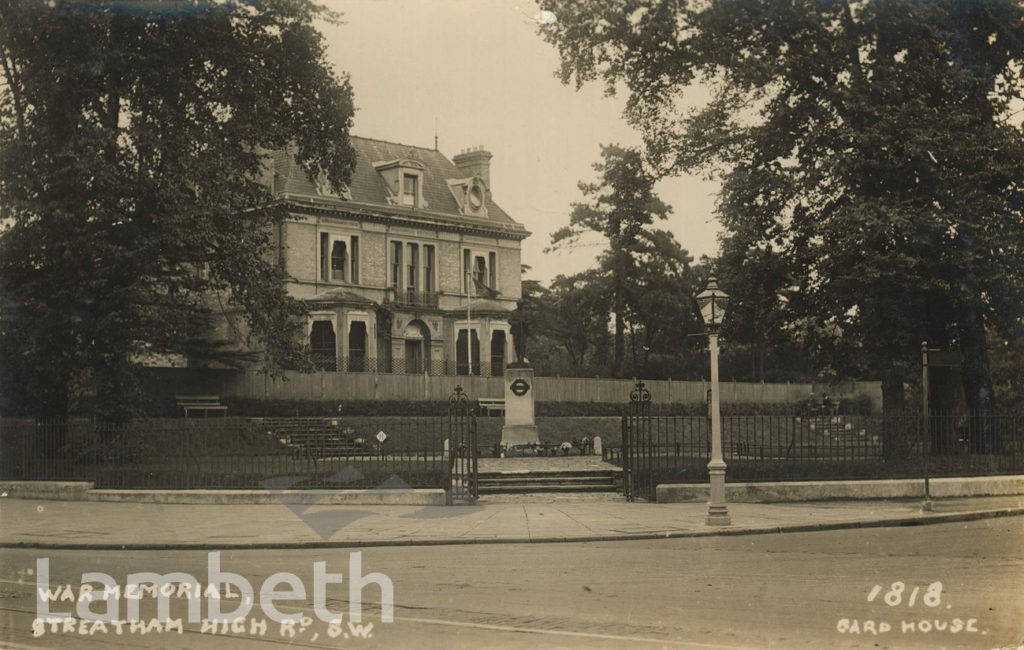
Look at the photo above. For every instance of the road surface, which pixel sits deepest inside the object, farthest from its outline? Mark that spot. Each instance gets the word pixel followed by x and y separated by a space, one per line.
pixel 797 590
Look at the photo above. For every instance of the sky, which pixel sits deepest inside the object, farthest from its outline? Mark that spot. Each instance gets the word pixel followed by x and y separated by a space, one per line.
pixel 479 73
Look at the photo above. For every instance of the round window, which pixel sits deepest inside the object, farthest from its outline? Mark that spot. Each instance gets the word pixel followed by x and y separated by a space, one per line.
pixel 476 197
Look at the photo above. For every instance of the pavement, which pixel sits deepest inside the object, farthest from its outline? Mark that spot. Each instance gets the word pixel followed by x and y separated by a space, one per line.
pixel 29 523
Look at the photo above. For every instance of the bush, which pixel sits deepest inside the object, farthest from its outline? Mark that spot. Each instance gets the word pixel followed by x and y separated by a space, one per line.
pixel 858 405
pixel 279 408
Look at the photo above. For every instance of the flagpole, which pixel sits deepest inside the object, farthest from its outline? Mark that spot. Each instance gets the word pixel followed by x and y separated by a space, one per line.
pixel 469 326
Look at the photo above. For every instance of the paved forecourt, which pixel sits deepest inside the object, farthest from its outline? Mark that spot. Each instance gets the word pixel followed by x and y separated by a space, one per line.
pixel 83 524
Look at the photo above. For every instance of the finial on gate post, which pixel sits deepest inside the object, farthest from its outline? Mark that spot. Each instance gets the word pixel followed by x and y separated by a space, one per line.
pixel 458 396
pixel 639 393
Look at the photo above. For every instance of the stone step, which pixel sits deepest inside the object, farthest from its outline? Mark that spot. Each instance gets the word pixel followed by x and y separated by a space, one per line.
pixel 521 488
pixel 552 497
pixel 562 481
pixel 539 483
pixel 546 477
pixel 553 473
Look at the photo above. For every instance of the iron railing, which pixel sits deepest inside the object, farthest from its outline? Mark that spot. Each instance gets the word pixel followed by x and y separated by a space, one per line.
pixel 412 298
pixel 798 447
pixel 463 449
pixel 230 452
pixel 437 367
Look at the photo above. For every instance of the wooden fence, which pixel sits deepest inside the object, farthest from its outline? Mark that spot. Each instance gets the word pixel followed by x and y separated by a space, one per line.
pixel 371 386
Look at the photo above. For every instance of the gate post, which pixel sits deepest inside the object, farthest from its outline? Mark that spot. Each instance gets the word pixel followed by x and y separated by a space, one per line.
pixel 462 449
pixel 641 472
pixel 627 475
pixel 474 485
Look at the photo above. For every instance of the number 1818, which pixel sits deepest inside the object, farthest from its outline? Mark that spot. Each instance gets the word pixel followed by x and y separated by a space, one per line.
pixel 894 597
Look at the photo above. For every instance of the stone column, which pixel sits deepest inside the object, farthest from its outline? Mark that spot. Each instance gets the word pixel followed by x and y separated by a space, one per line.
pixel 520 428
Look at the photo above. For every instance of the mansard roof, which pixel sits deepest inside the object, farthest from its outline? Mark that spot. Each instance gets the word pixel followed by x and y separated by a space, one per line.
pixel 368 187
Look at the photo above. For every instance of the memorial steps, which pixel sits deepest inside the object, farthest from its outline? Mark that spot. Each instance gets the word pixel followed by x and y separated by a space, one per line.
pixel 579 475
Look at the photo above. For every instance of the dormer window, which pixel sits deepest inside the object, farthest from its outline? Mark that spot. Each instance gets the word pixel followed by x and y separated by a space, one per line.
pixel 410 190
pixel 471 193
pixel 476 197
pixel 403 179
pixel 323 188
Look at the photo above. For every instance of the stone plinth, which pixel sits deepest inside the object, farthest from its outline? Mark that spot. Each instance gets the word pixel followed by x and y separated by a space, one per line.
pixel 519 428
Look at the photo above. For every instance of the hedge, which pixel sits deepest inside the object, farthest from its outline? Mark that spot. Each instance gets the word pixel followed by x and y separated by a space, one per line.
pixel 859 405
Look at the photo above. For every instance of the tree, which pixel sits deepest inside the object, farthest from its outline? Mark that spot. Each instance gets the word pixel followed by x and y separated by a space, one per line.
pixel 530 314
pixel 621 204
pixel 757 279
pixel 578 317
pixel 1008 369
pixel 659 300
pixel 871 144
pixel 132 142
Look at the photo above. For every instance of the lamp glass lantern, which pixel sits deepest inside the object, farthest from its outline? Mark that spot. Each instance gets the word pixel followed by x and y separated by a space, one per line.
pixel 712 303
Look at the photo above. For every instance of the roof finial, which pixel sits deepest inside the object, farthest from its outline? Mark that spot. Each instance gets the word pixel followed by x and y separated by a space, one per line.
pixel 435 133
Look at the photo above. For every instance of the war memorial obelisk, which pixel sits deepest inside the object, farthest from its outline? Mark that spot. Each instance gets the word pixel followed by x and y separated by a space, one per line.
pixel 520 428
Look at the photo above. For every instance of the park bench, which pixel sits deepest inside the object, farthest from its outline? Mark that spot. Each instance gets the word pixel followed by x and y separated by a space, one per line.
pixel 488 404
pixel 201 403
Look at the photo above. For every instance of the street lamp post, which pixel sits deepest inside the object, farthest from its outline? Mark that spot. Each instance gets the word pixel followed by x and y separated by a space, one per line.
pixel 712 303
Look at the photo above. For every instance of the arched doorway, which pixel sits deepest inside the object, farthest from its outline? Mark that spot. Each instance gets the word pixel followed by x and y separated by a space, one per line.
pixel 417 347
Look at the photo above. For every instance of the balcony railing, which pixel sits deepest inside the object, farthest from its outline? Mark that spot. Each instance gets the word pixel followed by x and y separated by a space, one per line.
pixel 412 298
pixel 360 363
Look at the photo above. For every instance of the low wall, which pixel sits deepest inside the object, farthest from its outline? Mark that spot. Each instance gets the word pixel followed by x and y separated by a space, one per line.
pixel 342 386
pixel 84 491
pixel 410 497
pixel 51 490
pixel 791 491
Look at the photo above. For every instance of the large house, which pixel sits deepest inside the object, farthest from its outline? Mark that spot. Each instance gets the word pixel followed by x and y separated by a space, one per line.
pixel 413 268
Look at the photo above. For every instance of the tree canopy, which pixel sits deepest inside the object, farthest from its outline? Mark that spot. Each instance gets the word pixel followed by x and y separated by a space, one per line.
pixel 621 204
pixel 642 281
pixel 132 144
pixel 874 148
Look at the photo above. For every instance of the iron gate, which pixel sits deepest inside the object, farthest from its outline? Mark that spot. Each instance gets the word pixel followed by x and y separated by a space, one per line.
pixel 637 454
pixel 462 449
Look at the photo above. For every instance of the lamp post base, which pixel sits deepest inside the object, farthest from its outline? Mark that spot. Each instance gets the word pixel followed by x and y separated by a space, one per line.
pixel 718 511
pixel 718 515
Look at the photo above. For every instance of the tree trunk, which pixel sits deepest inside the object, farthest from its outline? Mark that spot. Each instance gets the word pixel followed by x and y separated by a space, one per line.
pixel 977 378
pixel 977 375
pixel 632 349
pixel 894 397
pixel 896 422
pixel 52 415
pixel 620 344
pixel 761 351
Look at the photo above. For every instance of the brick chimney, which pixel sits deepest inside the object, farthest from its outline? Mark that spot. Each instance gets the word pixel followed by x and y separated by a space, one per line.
pixel 475 161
